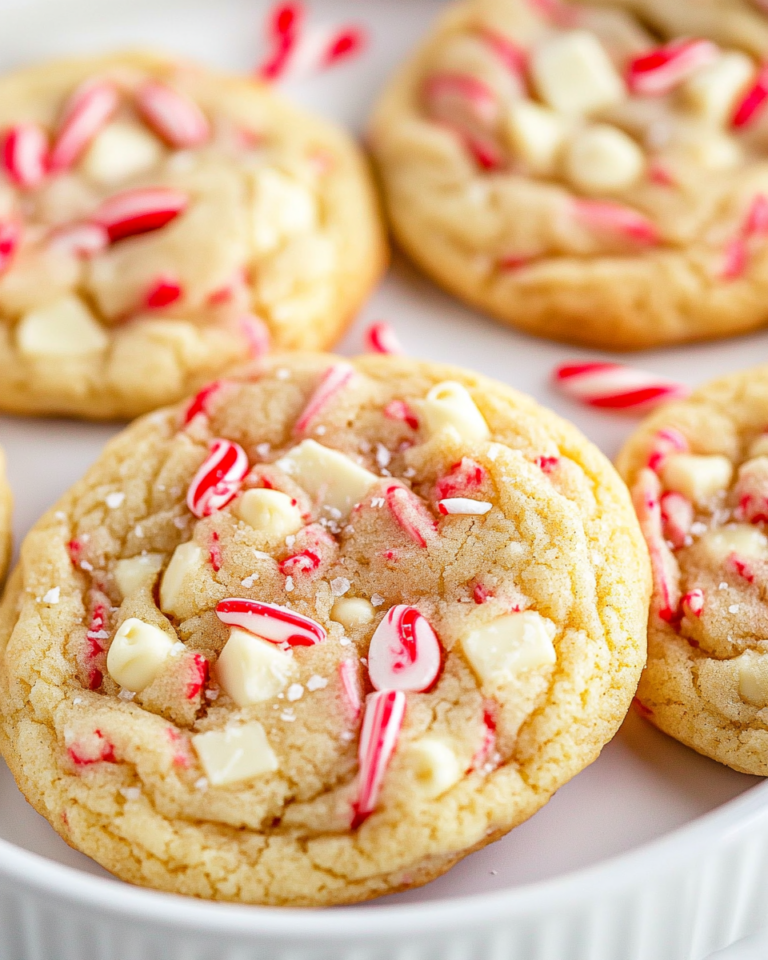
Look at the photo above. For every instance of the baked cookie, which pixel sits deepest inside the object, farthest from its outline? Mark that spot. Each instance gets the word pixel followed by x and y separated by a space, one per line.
pixel 317 635
pixel 5 520
pixel 698 470
pixel 161 224
pixel 561 169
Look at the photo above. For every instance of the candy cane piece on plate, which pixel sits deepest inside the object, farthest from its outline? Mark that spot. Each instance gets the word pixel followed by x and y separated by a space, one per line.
pixel 404 653
pixel 219 479
pixel 613 386
pixel 381 338
pixel 271 622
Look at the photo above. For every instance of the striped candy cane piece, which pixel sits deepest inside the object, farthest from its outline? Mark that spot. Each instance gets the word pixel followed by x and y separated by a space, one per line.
pixel 219 479
pixel 199 404
pixel 350 685
pixel 754 224
pixel 25 155
pixel 666 577
pixel 471 109
pixel 86 112
pixel 693 602
pixel 666 67
pixel 138 211
pixel 404 653
pixel 381 338
pixel 399 410
pixel 383 720
pixel 172 115
pixel 753 102
pixel 271 622
pixel 514 57
pixel 257 334
pixel 411 514
pixel 613 386
pixel 676 518
pixel 79 239
pixel 335 379
pixel 666 442
pixel 615 218
pixel 164 291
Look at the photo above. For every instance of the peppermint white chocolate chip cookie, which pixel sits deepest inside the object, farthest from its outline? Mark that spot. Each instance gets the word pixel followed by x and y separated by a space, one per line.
pixel 5 519
pixel 698 470
pixel 317 634
pixel 563 169
pixel 161 224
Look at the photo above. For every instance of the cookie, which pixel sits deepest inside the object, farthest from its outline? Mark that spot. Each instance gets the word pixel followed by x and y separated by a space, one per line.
pixel 161 224
pixel 698 470
pixel 565 171
pixel 5 520
pixel 317 635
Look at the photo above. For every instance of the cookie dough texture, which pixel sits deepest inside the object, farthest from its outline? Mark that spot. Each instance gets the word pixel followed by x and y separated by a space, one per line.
pixel 511 199
pixel 704 683
pixel 281 224
pixel 118 775
pixel 5 520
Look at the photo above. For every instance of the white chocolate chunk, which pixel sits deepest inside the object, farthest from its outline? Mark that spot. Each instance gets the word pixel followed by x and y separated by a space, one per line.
pixel 759 447
pixel 327 475
pixel 709 149
pixel 697 477
pixel 281 208
pixel 137 654
pixel 252 670
pixel 64 328
pixel 186 564
pixel 434 765
pixel 235 754
pixel 713 90
pixel 120 151
pixel 752 671
pixel 352 612
pixel 603 158
pixel 536 134
pixel 743 539
pixel 510 645
pixel 270 512
pixel 136 573
pixel 573 73
pixel 449 404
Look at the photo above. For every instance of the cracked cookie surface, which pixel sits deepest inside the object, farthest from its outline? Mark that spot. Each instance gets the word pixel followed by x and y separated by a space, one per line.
pixel 6 504
pixel 320 632
pixel 567 171
pixel 698 470
pixel 161 224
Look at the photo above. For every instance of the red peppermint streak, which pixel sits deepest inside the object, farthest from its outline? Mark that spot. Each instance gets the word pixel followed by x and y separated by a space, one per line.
pixel 219 479
pixel 139 211
pixel 381 338
pixel 271 622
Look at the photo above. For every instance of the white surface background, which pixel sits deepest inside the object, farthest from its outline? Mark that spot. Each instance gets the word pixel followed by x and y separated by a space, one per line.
pixel 644 784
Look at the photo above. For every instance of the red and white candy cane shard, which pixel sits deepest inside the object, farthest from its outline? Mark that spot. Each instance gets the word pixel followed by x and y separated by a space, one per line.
pixel 381 338
pixel 79 239
pixel 383 720
pixel 335 379
pixel 164 291
pixel 514 57
pixel 200 403
pixel 676 518
pixel 10 237
pixel 404 653
pixel 399 410
pixel 693 602
pixel 350 687
pixel 172 115
pixel 734 261
pixel 559 13
pixel 342 44
pixel 666 442
pixel 756 219
pixel 463 506
pixel 219 479
pixel 139 211
pixel 751 491
pixel 663 69
pixel 484 757
pixel 87 111
pixel 463 476
pixel 257 335
pixel 755 224
pixel 271 622
pixel 25 155
pixel 305 562
pixel 613 386
pixel 464 103
pixel 617 219
pixel 752 104
pixel 666 575
pixel 411 514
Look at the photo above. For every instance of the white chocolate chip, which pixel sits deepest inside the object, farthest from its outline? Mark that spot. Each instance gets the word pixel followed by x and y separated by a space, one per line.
pixel 740 538
pixel 352 612
pixel 713 90
pixel 52 596
pixel 120 151
pixel 603 158
pixel 510 645
pixel 251 670
pixel 137 654
pixel 449 404
pixel 180 575
pixel 697 477
pixel 434 765
pixel 752 671
pixel 270 512
pixel 573 73
pixel 235 754
pixel 327 475
pixel 536 134
pixel 281 208
pixel 63 328
pixel 136 573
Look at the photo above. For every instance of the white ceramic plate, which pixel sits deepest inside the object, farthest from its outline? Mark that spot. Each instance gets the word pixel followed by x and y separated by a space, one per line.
pixel 674 899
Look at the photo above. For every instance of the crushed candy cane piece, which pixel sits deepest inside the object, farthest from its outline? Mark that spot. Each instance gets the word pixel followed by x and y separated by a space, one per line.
pixel 350 686
pixel 256 332
pixel 676 517
pixel 752 104
pixel 163 292
pixel 404 653
pixel 693 602
pixel 140 210
pixel 381 338
pixel 200 402
pixel 463 476
pixel 172 115
pixel 79 239
pixel 618 219
pixel 399 410
pixel 661 70
pixel 613 386
pixel 271 622
pixel 86 112
pixel 218 480
pixel 25 155
pixel 411 514
pixel 382 722
pixel 10 236
pixel 335 379
pixel 666 579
